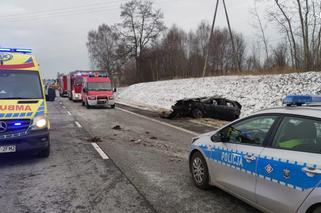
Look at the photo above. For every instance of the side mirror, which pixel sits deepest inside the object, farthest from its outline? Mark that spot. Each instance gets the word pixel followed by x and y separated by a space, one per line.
pixel 219 137
pixel 115 90
pixel 51 96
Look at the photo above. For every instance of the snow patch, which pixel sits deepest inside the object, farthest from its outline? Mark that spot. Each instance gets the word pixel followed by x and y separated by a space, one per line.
pixel 253 92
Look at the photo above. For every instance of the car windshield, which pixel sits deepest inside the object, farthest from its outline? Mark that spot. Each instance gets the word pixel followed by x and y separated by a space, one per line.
pixel 104 86
pixel 20 85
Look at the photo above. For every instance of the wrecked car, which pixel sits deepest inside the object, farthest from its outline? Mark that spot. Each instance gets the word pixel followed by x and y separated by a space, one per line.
pixel 209 107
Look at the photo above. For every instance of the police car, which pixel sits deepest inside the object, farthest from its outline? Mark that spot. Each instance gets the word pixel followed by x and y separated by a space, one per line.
pixel 271 159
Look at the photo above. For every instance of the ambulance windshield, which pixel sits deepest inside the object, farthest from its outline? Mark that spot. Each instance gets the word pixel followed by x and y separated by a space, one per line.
pixel 20 85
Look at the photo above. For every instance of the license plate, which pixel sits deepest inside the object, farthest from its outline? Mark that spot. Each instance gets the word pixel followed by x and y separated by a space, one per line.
pixel 7 149
pixel 102 101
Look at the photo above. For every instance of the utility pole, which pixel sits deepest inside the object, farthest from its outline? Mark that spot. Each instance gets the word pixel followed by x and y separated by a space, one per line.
pixel 235 57
pixel 210 40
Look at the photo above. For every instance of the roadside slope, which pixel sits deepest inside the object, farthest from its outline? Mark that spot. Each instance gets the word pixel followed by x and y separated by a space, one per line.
pixel 253 92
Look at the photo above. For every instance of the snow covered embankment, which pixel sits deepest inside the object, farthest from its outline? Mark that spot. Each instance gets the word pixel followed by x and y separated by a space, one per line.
pixel 253 92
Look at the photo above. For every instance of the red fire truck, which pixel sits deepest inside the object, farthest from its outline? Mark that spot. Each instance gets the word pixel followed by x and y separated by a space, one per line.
pixel 62 81
pixel 98 90
pixel 74 84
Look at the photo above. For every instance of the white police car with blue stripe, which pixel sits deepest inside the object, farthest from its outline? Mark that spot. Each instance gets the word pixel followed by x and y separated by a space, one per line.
pixel 271 159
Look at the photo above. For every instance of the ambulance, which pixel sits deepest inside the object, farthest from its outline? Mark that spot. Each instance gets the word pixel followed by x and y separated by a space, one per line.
pixel 24 126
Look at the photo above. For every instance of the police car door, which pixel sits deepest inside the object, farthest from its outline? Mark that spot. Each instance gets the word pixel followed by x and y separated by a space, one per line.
pixel 291 168
pixel 234 160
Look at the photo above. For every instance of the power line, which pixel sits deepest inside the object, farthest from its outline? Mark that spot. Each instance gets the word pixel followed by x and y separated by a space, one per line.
pixel 58 13
pixel 64 12
pixel 40 12
pixel 91 11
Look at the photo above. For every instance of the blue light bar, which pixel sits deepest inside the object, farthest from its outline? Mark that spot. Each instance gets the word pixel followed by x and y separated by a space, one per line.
pixel 16 50
pixel 299 100
pixel 18 124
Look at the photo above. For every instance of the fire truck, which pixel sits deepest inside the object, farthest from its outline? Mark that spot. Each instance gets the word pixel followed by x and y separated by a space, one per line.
pixel 98 90
pixel 74 84
pixel 62 81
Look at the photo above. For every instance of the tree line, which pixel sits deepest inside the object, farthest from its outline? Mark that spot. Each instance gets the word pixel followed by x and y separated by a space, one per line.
pixel 141 48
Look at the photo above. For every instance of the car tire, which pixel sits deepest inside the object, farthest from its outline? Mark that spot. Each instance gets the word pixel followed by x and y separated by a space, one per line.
pixel 199 171
pixel 316 210
pixel 44 153
pixel 112 106
pixel 197 113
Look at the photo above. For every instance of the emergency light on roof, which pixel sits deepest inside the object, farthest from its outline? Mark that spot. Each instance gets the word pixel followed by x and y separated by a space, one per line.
pixel 98 74
pixel 299 100
pixel 15 50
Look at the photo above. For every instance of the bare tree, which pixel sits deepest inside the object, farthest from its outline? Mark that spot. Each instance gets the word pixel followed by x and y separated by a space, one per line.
pixel 259 25
pixel 296 18
pixel 280 55
pixel 102 47
pixel 141 24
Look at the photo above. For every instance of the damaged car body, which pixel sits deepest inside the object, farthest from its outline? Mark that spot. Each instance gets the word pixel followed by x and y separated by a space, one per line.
pixel 209 107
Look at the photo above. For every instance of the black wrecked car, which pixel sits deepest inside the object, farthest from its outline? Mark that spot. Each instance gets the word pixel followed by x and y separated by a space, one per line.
pixel 209 107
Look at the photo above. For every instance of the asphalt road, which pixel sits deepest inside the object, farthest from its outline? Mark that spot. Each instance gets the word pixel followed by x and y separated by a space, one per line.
pixel 147 169
pixel 73 179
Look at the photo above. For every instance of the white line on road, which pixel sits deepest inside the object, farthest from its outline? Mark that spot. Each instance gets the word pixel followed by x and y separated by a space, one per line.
pixel 160 122
pixel 100 151
pixel 69 113
pixel 78 124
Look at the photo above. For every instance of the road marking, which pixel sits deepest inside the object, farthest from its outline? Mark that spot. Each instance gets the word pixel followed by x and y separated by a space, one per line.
pixel 78 124
pixel 64 107
pixel 100 151
pixel 69 113
pixel 160 122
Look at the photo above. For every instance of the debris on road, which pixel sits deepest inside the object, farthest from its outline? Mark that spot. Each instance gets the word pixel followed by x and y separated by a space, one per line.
pixel 95 139
pixel 153 138
pixel 210 107
pixel 117 127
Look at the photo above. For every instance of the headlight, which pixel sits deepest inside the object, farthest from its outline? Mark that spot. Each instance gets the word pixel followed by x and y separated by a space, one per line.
pixel 39 123
pixel 195 139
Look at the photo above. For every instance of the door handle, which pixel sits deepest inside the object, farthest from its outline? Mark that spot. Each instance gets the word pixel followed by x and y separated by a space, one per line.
pixel 311 172
pixel 250 158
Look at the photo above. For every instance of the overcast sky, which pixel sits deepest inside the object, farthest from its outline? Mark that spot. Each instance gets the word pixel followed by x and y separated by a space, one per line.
pixel 57 30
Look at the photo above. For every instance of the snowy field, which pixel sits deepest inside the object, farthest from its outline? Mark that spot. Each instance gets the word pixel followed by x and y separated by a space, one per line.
pixel 253 92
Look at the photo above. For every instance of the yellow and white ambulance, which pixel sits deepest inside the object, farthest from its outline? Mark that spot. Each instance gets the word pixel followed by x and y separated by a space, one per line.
pixel 24 126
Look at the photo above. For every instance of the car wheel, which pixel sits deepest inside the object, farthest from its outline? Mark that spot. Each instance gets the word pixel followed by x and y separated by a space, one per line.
pixel 44 153
pixel 112 106
pixel 197 113
pixel 316 210
pixel 199 170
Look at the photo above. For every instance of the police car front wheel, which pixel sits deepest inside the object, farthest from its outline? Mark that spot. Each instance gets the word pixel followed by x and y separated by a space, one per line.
pixel 199 171
pixel 317 209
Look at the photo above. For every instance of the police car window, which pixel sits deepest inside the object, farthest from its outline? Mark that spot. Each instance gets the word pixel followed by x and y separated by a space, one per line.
pixel 299 134
pixel 251 131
